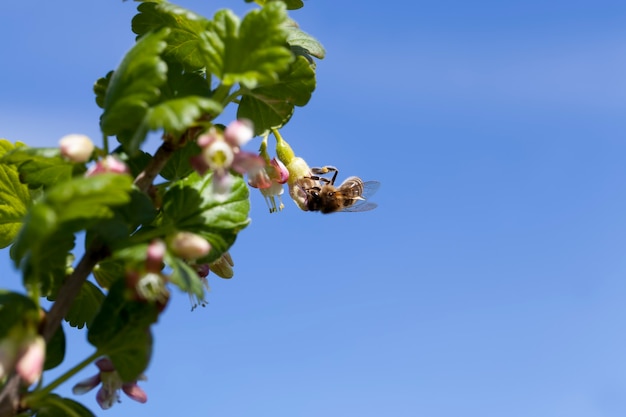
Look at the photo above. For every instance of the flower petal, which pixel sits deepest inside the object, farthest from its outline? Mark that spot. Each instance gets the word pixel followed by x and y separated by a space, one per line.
pixel 86 385
pixel 135 392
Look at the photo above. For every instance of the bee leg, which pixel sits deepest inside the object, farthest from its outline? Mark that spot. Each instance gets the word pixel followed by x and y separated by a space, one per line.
pixel 325 170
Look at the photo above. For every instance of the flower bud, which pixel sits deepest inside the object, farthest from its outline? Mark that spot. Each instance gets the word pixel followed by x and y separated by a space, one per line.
pixel 30 364
pixel 154 257
pixel 108 164
pixel 189 245
pixel 76 148
pixel 223 266
pixel 239 132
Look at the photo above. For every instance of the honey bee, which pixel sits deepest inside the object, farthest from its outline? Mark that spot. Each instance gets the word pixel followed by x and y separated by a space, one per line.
pixel 320 193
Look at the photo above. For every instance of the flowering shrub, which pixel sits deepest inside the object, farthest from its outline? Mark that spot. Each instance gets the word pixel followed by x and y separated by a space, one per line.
pixel 152 222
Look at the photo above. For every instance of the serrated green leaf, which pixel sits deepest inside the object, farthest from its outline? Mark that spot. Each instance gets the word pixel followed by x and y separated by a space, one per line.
pixel 179 166
pixel 55 350
pixel 250 52
pixel 100 88
pixel 191 205
pixel 272 107
pixel 121 331
pixel 177 115
pixel 85 306
pixel 301 40
pixel 185 28
pixel 42 167
pixel 184 276
pixel 14 198
pixel 53 405
pixel 133 88
pixel 109 271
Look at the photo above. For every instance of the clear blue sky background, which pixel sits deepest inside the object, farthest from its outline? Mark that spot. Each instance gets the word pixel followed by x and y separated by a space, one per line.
pixel 491 279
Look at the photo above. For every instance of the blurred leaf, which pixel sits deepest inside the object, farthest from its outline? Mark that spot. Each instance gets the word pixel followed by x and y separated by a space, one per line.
pixel 185 277
pixel 178 166
pixel 47 236
pixel 183 84
pixel 42 166
pixel 272 107
pixel 291 4
pixel 16 309
pixel 133 88
pixel 115 231
pixel 109 271
pixel 191 205
pixel 300 40
pixel 121 331
pixel 100 88
pixel 176 115
pixel 85 306
pixel 53 405
pixel 250 52
pixel 14 198
pixel 184 36
pixel 55 350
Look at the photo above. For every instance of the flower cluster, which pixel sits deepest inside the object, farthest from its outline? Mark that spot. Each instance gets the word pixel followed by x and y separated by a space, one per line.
pixel 221 152
pixel 108 394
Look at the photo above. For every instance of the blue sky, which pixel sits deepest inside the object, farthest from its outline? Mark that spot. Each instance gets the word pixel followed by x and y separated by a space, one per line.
pixel 490 279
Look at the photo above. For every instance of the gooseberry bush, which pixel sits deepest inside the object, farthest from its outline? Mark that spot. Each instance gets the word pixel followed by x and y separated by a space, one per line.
pixel 102 234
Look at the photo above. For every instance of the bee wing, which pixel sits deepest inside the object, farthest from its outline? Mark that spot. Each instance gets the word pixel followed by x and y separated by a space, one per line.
pixel 360 206
pixel 361 191
pixel 370 188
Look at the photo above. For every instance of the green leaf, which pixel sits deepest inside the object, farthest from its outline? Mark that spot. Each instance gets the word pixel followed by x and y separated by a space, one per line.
pixel 47 236
pixel 16 310
pixel 184 276
pixel 291 4
pixel 177 115
pixel 178 166
pixel 85 306
pixel 191 205
pixel 121 331
pixel 303 43
pixel 250 52
pixel 133 88
pixel 115 231
pixel 14 198
pixel 272 107
pixel 55 350
pixel 100 88
pixel 42 166
pixel 46 264
pixel 89 198
pixel 53 405
pixel 183 41
pixel 183 84
pixel 109 271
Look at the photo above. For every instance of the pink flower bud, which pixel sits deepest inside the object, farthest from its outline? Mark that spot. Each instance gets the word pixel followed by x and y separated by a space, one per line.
pixel 188 245
pixel 76 148
pixel 108 164
pixel 239 132
pixel 30 364
pixel 154 257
